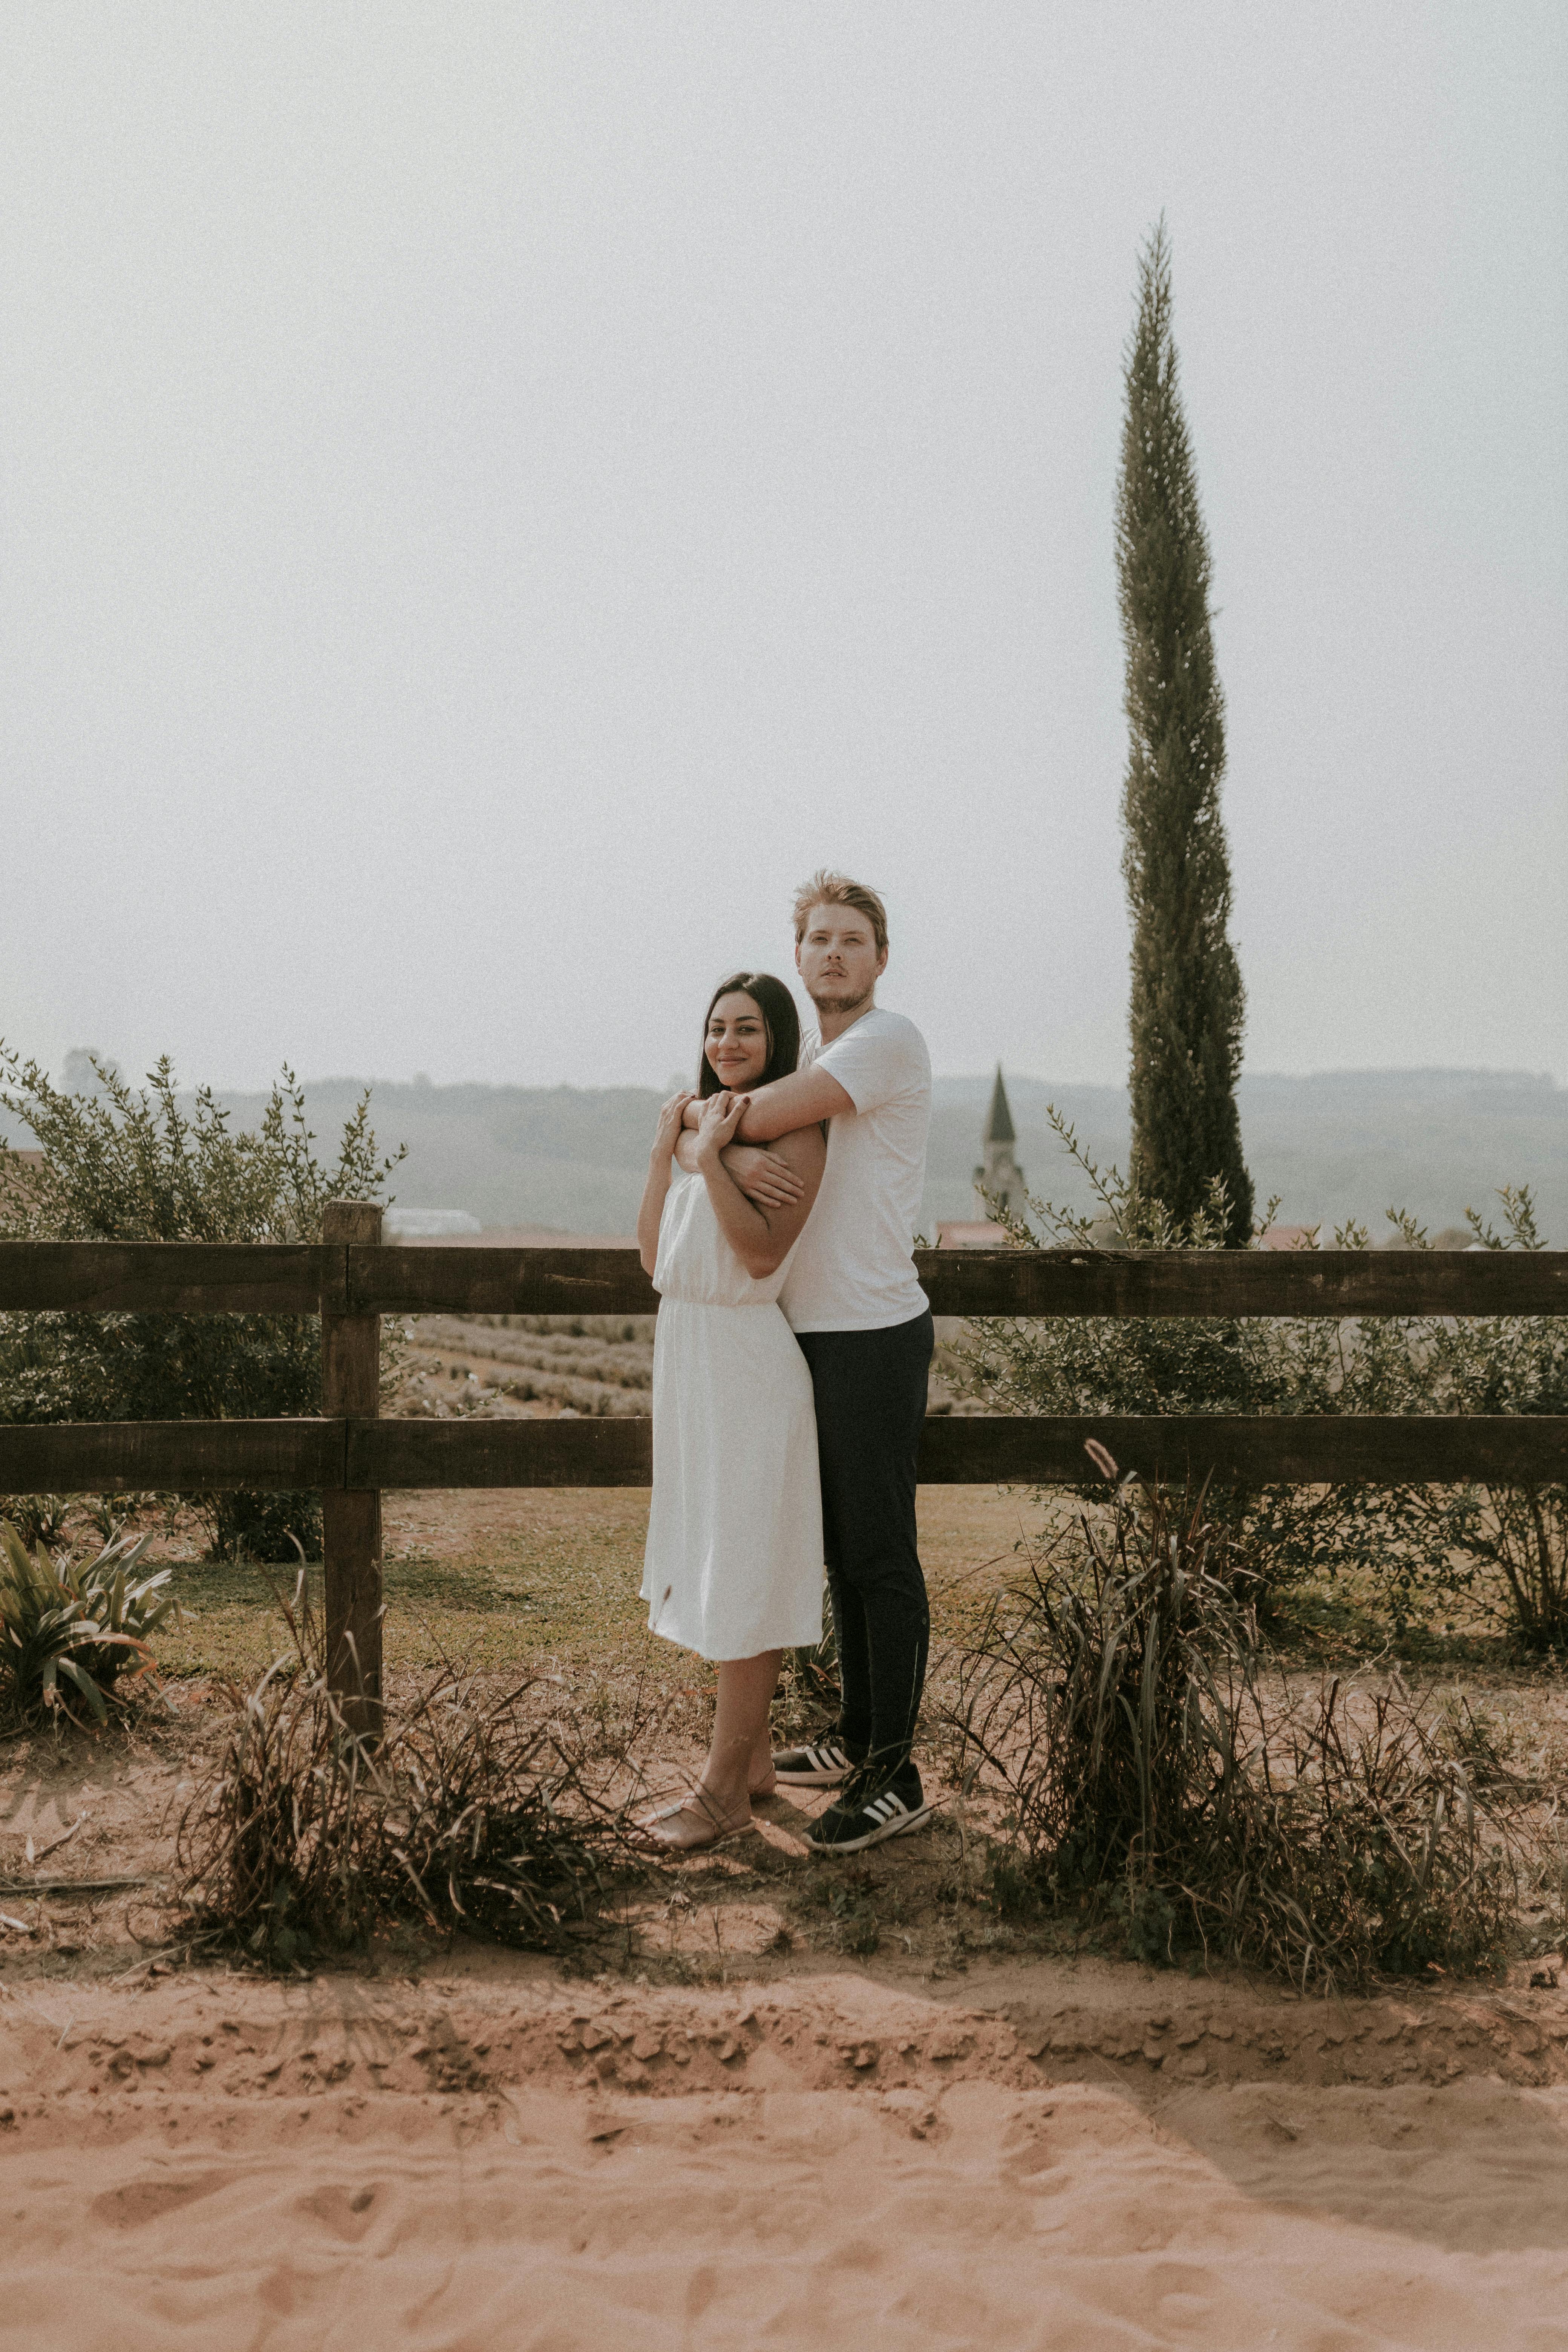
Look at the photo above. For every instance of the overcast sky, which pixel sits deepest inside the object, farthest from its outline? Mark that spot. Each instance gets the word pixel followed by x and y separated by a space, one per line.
pixel 495 494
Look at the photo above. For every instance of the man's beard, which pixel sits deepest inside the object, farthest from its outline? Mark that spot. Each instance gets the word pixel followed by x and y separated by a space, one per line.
pixel 837 1004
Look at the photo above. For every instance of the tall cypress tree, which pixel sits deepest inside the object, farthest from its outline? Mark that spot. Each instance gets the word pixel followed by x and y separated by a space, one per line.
pixel 1187 999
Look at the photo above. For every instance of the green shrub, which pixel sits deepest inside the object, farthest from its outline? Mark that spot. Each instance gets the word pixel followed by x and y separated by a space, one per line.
pixel 1516 1536
pixel 1420 1546
pixel 126 1166
pixel 87 1627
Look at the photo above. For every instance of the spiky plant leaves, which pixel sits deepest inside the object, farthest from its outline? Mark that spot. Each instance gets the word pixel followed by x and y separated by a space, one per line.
pixel 85 1623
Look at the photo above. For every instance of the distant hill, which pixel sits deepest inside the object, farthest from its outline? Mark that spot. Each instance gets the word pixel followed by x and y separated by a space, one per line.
pixel 1337 1145
pixel 1347 1144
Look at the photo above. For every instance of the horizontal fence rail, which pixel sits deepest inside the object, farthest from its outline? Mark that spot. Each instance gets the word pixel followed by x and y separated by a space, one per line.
pixel 350 1455
pixel 405 1278
pixel 1023 1450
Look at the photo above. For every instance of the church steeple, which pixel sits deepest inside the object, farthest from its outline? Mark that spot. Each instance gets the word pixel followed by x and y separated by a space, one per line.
pixel 999 1126
pixel 999 1179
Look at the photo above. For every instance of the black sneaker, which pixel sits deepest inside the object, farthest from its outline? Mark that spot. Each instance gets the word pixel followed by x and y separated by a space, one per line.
pixel 869 1812
pixel 823 1765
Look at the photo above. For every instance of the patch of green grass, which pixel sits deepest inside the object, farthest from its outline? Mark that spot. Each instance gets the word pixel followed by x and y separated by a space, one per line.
pixel 561 1595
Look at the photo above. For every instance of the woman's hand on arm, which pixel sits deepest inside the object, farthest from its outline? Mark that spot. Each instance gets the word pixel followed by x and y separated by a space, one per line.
pixel 761 1239
pixel 666 1136
pixel 764 1176
pixel 719 1117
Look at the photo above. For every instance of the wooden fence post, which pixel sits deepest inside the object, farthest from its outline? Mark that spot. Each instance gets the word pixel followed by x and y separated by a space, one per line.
pixel 351 1518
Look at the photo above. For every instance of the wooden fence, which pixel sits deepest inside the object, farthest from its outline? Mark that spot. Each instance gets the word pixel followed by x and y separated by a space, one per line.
pixel 350 1455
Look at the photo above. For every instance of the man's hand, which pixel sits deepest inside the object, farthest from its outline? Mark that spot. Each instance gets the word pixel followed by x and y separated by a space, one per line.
pixel 769 1182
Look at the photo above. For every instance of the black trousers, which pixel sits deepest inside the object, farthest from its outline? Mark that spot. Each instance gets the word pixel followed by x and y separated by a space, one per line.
pixel 870 1405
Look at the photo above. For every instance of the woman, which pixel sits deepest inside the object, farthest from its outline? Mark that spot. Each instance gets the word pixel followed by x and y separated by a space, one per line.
pixel 733 1565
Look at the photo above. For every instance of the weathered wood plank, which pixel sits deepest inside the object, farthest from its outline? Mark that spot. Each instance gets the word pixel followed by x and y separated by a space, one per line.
pixel 1275 1449
pixel 520 1453
pixel 169 1456
pixel 167 1277
pixel 351 1520
pixel 961 1449
pixel 997 1450
pixel 414 1280
pixel 1245 1282
pixel 219 1278
pixel 411 1279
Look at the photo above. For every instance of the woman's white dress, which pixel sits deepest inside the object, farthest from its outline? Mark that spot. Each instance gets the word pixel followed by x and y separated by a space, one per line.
pixel 733 1564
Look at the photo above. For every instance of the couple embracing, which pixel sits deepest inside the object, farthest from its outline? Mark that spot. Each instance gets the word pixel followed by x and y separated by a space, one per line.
pixel 790 1364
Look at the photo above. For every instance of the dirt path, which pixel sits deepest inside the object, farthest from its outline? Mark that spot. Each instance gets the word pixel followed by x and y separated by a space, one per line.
pixel 812 2105
pixel 490 2157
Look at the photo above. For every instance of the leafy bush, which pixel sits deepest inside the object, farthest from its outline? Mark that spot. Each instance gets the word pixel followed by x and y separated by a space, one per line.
pixel 85 1626
pixel 468 1814
pixel 128 1166
pixel 1517 1364
pixel 1154 1770
pixel 1421 1546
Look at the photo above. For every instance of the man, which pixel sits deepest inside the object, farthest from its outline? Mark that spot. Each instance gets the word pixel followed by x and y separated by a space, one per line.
pixel 864 1325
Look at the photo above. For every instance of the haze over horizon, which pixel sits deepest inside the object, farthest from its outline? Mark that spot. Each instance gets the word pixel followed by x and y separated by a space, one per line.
pixel 496 496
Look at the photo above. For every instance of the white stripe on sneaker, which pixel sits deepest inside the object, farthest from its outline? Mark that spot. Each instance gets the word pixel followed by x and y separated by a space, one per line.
pixel 883 1816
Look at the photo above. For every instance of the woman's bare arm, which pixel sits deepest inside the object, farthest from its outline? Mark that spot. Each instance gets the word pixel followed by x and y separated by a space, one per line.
pixel 757 1169
pixel 651 1210
pixel 761 1238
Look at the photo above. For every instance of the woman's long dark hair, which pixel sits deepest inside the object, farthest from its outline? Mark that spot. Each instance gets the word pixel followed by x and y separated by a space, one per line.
pixel 781 1025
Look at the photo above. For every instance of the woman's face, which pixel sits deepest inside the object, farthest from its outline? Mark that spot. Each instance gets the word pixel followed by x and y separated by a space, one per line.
pixel 737 1042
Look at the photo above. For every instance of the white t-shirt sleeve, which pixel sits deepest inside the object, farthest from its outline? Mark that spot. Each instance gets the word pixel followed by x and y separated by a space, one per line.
pixel 876 1062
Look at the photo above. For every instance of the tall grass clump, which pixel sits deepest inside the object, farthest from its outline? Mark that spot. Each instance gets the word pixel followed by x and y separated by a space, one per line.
pixel 1156 1774
pixel 473 1811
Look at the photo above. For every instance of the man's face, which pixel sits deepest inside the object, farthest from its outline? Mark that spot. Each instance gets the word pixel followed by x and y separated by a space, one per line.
pixel 837 958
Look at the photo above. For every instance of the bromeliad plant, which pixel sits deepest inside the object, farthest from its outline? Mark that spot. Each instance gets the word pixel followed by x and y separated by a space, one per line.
pixel 76 1632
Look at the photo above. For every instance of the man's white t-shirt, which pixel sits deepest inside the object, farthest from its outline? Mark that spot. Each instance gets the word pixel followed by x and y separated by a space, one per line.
pixel 852 1270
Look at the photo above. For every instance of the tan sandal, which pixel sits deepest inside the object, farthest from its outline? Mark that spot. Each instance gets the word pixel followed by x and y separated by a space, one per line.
pixel 698 1801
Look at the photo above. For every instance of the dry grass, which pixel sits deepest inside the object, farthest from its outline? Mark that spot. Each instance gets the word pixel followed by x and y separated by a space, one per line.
pixel 475 1810
pixel 1154 1764
pixel 521 1586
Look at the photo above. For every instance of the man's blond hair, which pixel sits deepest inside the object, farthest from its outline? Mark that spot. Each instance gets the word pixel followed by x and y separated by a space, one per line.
pixel 825 889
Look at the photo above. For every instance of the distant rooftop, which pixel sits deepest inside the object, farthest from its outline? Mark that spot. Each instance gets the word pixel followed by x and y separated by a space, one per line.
pixel 428 1224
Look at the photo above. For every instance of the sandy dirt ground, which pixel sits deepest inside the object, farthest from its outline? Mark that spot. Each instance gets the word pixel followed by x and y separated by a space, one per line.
pixel 463 2147
pixel 490 2158
pixel 729 2123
